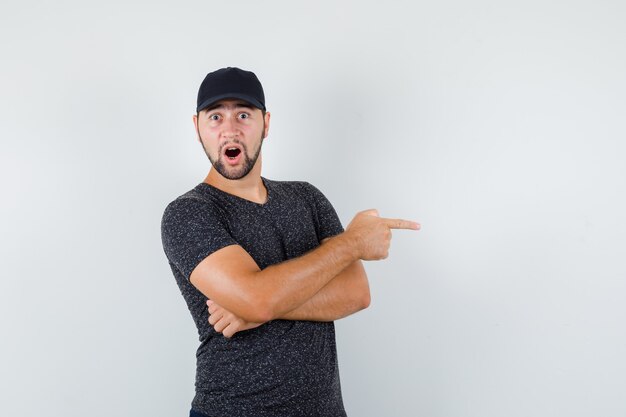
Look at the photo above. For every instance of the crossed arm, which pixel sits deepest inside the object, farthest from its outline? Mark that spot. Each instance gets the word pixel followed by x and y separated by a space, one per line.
pixel 330 283
pixel 346 294
pixel 324 284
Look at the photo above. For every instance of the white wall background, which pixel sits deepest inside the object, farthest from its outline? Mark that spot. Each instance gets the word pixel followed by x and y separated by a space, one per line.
pixel 497 125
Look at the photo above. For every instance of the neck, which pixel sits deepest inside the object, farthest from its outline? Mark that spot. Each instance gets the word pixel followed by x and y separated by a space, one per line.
pixel 249 187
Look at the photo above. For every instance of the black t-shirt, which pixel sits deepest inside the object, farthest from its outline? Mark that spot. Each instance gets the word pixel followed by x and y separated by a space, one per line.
pixel 283 367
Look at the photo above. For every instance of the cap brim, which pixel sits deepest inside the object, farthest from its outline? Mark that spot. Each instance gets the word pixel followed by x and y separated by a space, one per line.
pixel 209 101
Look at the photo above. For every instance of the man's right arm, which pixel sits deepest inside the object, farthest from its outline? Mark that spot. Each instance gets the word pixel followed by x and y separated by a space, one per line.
pixel 233 280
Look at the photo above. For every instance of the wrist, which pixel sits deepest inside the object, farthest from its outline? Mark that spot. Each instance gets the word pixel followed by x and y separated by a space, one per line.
pixel 349 243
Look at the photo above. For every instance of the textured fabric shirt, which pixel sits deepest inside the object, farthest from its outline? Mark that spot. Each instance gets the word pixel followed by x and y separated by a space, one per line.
pixel 282 368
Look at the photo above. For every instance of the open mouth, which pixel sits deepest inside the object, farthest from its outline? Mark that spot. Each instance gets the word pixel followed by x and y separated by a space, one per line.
pixel 232 153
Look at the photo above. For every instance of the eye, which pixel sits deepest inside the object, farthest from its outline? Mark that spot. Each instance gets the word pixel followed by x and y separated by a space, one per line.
pixel 243 115
pixel 214 117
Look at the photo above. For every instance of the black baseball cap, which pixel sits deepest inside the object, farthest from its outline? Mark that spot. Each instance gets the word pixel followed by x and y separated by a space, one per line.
pixel 230 82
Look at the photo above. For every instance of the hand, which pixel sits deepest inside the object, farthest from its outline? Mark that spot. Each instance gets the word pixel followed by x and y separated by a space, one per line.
pixel 225 322
pixel 371 234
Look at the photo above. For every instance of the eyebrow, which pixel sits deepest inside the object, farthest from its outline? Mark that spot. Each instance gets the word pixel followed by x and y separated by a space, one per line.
pixel 239 104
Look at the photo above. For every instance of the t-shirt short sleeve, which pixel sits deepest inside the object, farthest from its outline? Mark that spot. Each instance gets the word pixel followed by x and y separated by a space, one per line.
pixel 327 219
pixel 191 230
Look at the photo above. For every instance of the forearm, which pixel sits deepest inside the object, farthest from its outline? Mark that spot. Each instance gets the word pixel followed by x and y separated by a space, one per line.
pixel 286 286
pixel 297 289
pixel 233 279
pixel 345 294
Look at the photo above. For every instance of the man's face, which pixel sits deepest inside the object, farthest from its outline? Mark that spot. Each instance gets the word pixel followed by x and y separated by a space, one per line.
pixel 231 133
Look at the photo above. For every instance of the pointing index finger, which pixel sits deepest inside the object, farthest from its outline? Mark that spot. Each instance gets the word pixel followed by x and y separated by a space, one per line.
pixel 402 224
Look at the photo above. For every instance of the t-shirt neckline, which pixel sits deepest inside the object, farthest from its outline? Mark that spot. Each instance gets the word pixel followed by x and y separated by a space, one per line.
pixel 265 183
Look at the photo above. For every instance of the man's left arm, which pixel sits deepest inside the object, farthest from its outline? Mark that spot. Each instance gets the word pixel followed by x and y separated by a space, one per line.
pixel 344 295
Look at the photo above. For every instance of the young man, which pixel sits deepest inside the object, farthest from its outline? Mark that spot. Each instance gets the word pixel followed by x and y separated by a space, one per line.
pixel 264 266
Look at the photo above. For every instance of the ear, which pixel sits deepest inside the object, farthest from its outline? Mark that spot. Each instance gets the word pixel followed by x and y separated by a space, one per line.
pixel 267 125
pixel 195 124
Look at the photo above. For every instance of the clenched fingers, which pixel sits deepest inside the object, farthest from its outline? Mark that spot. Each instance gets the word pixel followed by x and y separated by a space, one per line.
pixel 230 330
pixel 221 325
pixel 215 317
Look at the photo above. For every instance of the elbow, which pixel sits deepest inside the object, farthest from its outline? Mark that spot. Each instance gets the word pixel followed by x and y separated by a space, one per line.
pixel 362 288
pixel 365 300
pixel 360 300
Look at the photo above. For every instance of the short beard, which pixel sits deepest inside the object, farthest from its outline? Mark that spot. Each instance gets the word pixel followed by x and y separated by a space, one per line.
pixel 248 161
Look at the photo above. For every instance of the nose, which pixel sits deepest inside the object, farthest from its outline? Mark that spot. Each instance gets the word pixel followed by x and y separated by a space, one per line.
pixel 229 128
